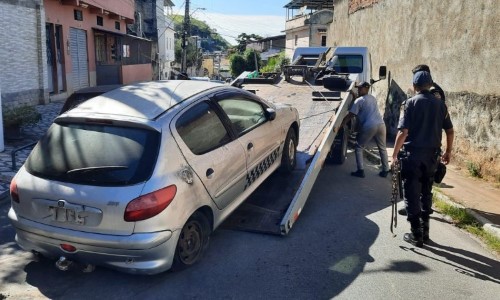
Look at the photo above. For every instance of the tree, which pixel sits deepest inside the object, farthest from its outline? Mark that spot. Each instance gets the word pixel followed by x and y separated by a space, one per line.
pixel 250 56
pixel 238 64
pixel 243 39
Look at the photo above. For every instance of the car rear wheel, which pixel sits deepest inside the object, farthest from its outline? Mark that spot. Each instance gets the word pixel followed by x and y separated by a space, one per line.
pixel 288 158
pixel 192 242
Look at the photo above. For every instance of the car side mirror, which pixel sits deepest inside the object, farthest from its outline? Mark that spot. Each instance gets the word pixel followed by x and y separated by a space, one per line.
pixel 382 72
pixel 270 114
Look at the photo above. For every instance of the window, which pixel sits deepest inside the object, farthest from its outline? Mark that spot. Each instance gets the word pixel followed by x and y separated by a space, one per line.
pixel 296 39
pixel 201 129
pixel 100 21
pixel 323 40
pixel 78 14
pixel 347 63
pixel 244 114
pixel 117 25
pixel 95 154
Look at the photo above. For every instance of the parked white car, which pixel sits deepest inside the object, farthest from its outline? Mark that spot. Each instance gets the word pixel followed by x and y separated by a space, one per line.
pixel 137 178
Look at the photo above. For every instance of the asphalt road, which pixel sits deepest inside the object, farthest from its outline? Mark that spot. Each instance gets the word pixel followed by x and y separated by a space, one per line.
pixel 341 247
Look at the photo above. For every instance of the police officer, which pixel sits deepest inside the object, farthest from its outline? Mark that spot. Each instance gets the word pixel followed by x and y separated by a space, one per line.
pixel 438 93
pixel 435 89
pixel 420 130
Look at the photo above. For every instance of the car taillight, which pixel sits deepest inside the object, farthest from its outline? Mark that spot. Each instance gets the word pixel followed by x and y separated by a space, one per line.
pixel 149 205
pixel 14 195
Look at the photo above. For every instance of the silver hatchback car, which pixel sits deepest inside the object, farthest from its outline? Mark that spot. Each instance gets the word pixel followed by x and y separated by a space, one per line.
pixel 136 179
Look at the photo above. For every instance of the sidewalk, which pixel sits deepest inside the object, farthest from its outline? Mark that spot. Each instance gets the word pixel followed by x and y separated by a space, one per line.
pixel 480 198
pixel 31 134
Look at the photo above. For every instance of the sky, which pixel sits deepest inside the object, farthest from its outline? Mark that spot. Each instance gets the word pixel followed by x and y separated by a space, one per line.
pixel 232 17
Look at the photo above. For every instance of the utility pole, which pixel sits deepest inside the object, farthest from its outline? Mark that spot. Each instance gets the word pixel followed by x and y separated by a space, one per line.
pixel 185 33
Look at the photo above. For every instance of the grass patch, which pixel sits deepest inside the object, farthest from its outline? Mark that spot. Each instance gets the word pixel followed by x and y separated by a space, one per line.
pixel 474 169
pixel 464 220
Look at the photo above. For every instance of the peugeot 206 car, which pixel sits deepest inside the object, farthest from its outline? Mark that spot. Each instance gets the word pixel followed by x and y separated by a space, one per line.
pixel 137 178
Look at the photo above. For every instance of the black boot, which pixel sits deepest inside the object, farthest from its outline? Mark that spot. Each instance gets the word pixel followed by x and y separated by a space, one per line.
pixel 425 229
pixel 402 211
pixel 415 237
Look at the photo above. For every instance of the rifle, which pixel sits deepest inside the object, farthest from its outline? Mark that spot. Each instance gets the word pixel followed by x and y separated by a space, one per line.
pixel 396 194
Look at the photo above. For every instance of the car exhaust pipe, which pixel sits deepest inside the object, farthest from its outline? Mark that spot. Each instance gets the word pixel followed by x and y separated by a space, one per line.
pixel 63 263
pixel 88 268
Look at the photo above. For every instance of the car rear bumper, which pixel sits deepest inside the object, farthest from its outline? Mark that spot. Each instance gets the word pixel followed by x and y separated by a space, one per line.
pixel 140 253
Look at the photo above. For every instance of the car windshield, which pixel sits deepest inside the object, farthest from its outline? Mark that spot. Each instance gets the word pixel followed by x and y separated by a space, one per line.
pixel 347 63
pixel 95 154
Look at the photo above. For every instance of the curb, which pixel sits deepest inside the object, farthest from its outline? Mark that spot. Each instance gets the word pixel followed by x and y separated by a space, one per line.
pixel 486 224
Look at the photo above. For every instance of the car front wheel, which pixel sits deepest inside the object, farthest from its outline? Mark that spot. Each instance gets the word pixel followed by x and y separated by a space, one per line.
pixel 193 240
pixel 288 158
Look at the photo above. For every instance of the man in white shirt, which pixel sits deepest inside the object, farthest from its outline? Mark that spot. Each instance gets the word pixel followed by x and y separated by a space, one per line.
pixel 371 126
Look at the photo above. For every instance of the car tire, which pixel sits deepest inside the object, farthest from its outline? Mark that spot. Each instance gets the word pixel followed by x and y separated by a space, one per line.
pixel 193 241
pixel 289 156
pixel 338 152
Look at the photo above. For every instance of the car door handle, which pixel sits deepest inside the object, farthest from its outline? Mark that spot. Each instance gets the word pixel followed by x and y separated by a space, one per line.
pixel 210 172
pixel 249 146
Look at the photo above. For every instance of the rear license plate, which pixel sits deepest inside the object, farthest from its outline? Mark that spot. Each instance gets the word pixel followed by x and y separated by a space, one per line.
pixel 67 214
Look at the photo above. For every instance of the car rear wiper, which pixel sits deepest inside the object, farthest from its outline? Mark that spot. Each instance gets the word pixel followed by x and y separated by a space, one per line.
pixel 93 169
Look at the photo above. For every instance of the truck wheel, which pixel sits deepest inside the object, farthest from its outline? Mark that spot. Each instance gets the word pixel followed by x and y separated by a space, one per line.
pixel 338 151
pixel 192 242
pixel 288 158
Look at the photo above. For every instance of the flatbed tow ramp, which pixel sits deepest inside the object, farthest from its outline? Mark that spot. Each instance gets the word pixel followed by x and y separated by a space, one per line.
pixel 276 205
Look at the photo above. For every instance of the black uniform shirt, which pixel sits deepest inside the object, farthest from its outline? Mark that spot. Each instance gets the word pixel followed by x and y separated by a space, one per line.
pixel 425 117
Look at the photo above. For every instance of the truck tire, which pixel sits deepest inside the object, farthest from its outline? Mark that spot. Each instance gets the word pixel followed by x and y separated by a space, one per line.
pixel 338 151
pixel 289 156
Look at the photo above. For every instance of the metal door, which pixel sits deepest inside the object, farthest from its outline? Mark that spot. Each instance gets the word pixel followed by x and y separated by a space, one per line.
pixel 260 137
pixel 79 60
pixel 217 159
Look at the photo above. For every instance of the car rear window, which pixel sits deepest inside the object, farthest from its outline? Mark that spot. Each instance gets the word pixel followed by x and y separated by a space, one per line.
pixel 95 154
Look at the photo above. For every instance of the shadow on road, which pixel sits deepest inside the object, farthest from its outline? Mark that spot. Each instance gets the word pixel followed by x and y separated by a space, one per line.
pixel 464 262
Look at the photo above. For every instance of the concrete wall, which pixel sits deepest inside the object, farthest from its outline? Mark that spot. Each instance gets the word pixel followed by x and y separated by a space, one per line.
pixel 458 39
pixel 136 73
pixel 60 14
pixel 23 77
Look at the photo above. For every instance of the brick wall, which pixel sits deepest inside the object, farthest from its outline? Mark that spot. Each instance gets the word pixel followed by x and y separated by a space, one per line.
pixel 23 77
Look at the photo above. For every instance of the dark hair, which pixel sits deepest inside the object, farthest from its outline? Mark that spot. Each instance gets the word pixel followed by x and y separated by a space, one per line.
pixel 421 68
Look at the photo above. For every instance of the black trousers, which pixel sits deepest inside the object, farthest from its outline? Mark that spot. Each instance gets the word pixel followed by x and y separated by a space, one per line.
pixel 417 171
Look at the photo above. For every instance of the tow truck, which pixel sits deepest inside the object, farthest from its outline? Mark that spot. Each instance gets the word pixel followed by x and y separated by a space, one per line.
pixel 323 100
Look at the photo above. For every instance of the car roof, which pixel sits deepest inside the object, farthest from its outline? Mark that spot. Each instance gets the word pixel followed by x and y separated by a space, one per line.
pixel 143 100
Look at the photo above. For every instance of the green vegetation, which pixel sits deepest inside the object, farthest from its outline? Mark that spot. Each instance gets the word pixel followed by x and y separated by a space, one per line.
pixel 275 64
pixel 464 220
pixel 474 169
pixel 245 62
pixel 243 39
pixel 20 115
pixel 209 39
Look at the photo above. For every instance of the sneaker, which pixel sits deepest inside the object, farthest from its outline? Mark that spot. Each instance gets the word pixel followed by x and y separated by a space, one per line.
pixel 383 173
pixel 359 173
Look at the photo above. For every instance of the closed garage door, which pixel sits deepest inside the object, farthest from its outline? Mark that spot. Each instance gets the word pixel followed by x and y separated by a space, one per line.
pixel 79 62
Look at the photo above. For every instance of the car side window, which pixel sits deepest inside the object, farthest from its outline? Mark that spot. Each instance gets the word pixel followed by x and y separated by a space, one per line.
pixel 201 129
pixel 244 114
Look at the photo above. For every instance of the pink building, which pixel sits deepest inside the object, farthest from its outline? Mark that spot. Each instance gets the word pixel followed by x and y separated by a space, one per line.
pixel 87 45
